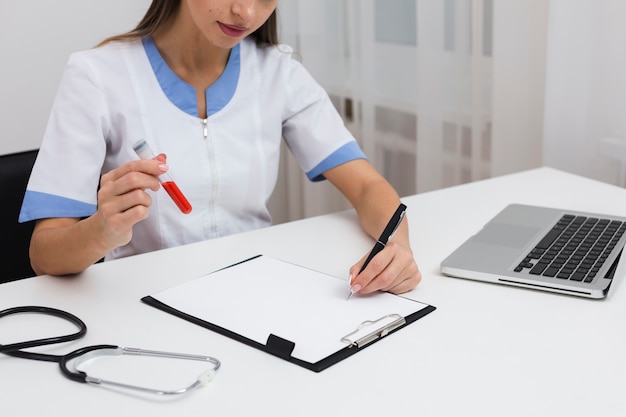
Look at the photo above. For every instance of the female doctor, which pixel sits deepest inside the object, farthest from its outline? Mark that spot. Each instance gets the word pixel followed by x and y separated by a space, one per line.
pixel 206 83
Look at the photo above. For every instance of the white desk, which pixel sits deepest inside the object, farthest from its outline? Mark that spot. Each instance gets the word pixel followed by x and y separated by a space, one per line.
pixel 488 350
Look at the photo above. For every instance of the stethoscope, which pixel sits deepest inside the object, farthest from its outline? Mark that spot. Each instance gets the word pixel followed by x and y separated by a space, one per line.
pixel 70 362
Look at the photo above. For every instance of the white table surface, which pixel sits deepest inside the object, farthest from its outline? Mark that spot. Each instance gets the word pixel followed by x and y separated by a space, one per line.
pixel 488 349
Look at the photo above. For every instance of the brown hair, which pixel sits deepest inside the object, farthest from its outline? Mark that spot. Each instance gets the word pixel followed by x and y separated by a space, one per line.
pixel 160 11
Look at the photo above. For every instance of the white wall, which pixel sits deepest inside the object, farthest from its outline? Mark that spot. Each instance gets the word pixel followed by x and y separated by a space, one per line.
pixel 585 86
pixel 36 39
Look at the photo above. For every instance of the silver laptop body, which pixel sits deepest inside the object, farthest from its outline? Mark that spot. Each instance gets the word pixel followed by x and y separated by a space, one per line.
pixel 500 251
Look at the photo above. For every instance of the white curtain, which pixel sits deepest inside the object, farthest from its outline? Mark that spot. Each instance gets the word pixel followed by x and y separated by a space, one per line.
pixel 413 82
pixel 443 92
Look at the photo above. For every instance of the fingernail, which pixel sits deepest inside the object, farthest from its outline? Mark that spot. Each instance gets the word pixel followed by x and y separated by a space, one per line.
pixel 356 288
pixel 163 167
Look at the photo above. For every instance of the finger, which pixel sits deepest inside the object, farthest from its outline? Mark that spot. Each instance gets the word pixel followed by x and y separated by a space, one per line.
pixel 394 269
pixel 118 228
pixel 365 281
pixel 116 196
pixel 387 278
pixel 112 185
pixel 404 286
pixel 112 205
pixel 152 167
pixel 407 279
pixel 117 215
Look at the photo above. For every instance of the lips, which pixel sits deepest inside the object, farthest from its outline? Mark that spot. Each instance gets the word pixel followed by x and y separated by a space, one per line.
pixel 232 30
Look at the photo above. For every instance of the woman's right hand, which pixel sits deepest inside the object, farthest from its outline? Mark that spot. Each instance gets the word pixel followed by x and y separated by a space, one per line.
pixel 123 200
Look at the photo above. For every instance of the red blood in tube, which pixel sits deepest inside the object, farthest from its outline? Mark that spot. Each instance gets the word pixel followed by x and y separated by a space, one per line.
pixel 178 197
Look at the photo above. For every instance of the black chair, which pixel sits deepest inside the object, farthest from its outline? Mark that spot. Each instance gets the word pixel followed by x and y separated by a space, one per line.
pixel 14 173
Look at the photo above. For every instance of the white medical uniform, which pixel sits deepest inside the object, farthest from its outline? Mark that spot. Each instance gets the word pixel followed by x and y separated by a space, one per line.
pixel 226 165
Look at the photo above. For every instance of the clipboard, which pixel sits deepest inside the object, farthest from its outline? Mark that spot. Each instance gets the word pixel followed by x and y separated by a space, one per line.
pixel 289 311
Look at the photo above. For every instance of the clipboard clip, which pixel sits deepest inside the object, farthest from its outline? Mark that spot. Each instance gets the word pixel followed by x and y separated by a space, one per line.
pixel 377 333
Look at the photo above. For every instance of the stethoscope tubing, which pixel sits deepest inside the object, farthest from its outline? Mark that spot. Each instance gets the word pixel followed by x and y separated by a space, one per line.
pixel 16 349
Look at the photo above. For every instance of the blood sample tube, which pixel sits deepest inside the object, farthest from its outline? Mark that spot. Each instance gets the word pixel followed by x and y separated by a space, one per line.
pixel 144 152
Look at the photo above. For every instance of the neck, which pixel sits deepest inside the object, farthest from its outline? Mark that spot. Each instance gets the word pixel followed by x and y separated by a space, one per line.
pixel 191 56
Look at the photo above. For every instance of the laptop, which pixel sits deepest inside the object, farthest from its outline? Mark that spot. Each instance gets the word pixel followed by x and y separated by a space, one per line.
pixel 544 248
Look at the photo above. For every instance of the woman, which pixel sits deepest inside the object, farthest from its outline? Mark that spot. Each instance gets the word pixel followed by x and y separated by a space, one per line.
pixel 205 83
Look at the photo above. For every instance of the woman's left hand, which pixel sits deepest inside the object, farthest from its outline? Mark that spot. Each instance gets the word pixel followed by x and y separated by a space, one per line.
pixel 393 269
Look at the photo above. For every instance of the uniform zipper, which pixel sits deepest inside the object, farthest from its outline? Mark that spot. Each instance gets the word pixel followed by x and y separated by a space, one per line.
pixel 214 177
pixel 205 128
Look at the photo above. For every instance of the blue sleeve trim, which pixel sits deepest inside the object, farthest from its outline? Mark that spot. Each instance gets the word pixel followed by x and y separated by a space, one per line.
pixel 348 152
pixel 38 205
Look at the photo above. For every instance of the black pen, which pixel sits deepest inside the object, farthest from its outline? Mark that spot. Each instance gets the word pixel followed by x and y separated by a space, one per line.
pixel 387 234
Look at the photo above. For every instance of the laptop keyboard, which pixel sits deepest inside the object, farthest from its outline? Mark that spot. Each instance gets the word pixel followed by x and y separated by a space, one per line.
pixel 575 249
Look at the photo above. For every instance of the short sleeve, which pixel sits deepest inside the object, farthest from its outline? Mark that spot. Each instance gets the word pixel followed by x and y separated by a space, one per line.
pixel 313 129
pixel 67 171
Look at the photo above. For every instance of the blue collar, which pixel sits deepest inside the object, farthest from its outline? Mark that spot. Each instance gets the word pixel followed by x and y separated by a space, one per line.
pixel 182 95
